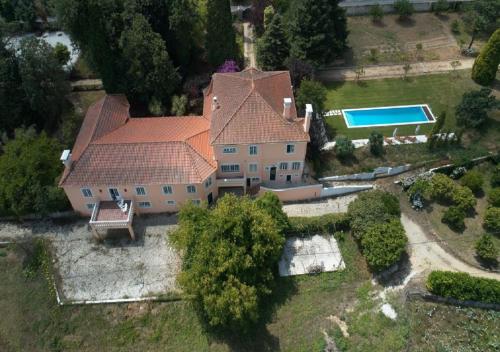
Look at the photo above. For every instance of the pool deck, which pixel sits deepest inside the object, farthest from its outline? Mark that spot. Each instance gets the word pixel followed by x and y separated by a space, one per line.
pixel 425 108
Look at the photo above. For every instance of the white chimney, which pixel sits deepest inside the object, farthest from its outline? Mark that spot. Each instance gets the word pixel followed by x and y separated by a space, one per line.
pixel 308 117
pixel 215 103
pixel 66 157
pixel 287 106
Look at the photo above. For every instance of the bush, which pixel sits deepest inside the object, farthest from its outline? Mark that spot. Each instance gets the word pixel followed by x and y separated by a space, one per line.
pixel 463 287
pixel 328 223
pixel 486 250
pixel 454 217
pixel 463 198
pixel 455 26
pixel 420 187
pixel 473 180
pixel 344 147
pixel 486 64
pixel 473 109
pixel 404 8
pixel 270 203
pixel 376 140
pixel 442 188
pixel 492 219
pixel 376 13
pixel 494 197
pixel 440 6
pixel 382 244
pixel 495 177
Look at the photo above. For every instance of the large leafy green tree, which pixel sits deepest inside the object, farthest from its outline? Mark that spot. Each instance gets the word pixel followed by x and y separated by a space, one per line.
pixel 474 107
pixel 486 64
pixel 272 47
pixel 317 30
pixel 229 257
pixel 29 167
pixel 43 81
pixel 150 73
pixel 220 40
pixel 311 92
pixel 482 16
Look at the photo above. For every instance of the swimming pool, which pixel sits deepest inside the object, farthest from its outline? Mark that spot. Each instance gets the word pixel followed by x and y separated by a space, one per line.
pixel 388 116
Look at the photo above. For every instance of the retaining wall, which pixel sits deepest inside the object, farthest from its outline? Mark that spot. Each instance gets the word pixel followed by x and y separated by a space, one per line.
pixel 378 172
pixel 310 192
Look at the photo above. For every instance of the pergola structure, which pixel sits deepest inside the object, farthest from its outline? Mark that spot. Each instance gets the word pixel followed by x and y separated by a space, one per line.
pixel 112 215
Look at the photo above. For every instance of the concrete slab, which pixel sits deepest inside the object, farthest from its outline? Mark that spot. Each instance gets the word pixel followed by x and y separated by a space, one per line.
pixel 310 254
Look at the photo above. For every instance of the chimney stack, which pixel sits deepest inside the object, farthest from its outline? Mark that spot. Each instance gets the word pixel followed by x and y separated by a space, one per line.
pixel 287 106
pixel 215 103
pixel 308 117
pixel 66 157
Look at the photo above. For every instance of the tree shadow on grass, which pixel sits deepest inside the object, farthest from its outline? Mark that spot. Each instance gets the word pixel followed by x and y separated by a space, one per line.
pixel 406 22
pixel 258 337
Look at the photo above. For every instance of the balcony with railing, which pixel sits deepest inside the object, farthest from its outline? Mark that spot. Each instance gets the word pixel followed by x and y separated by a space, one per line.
pixel 112 215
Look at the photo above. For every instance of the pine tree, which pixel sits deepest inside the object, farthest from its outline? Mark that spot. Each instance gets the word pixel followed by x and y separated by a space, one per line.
pixel 220 38
pixel 273 48
pixel 318 31
pixel 486 65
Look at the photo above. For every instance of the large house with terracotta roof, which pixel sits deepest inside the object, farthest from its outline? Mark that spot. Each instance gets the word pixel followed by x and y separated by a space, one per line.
pixel 249 135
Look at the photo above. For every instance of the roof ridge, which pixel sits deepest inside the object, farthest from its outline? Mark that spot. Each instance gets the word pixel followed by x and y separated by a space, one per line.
pixel 234 113
pixel 190 149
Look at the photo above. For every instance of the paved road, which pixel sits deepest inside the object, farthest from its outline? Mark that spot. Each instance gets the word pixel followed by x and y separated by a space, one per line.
pixel 390 71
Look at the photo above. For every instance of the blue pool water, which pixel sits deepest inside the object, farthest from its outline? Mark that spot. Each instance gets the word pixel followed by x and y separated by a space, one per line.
pixel 404 115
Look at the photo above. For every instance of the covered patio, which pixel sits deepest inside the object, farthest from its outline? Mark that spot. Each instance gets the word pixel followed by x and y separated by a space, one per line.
pixel 108 215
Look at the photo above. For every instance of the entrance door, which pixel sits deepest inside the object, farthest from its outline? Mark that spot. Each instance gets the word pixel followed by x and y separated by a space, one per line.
pixel 272 174
pixel 249 181
pixel 210 198
pixel 113 192
pixel 288 178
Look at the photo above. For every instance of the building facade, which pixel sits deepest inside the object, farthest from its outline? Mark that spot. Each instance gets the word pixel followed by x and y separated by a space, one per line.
pixel 249 135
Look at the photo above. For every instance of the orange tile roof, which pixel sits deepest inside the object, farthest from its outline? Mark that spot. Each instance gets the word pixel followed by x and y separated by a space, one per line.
pixel 250 108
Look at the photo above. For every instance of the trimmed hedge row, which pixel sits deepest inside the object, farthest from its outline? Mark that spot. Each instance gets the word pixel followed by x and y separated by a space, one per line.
pixel 463 287
pixel 328 223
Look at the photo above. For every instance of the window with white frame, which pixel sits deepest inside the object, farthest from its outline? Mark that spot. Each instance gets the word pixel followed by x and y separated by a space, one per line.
pixel 140 191
pixel 252 167
pixel 290 148
pixel 283 166
pixel 90 206
pixel 191 189
pixel 87 192
pixel 252 150
pixel 196 201
pixel 296 165
pixel 170 202
pixel 167 189
pixel 255 179
pixel 144 204
pixel 230 168
pixel 208 182
pixel 229 150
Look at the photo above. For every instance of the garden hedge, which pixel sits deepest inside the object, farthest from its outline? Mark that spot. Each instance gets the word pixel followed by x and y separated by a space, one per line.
pixel 328 223
pixel 463 287
pixel 486 64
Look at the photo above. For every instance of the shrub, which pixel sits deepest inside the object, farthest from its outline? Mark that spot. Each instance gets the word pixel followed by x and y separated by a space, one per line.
pixel 492 219
pixel 376 140
pixel 440 6
pixel 328 223
pixel 486 64
pixel 371 208
pixel 454 217
pixel 455 26
pixel 382 244
pixel 62 53
pixel 463 198
pixel 463 287
pixel 473 109
pixel 419 187
pixel 343 147
pixel 486 250
pixel 473 180
pixel 494 197
pixel 404 8
pixel 376 13
pixel 270 203
pixel 495 177
pixel 311 92
pixel 442 188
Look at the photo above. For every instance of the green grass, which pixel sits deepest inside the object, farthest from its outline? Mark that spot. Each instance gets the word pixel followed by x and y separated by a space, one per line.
pixel 441 92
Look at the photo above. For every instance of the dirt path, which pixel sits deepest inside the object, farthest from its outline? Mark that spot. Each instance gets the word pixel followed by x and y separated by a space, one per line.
pixel 248 45
pixel 391 71
pixel 426 254
pixel 87 84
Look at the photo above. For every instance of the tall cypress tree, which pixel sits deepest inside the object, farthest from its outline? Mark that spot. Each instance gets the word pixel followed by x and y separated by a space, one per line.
pixel 486 65
pixel 273 48
pixel 318 30
pixel 220 38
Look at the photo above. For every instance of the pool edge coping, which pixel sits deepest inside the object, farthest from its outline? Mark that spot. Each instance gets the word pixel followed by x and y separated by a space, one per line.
pixel 391 124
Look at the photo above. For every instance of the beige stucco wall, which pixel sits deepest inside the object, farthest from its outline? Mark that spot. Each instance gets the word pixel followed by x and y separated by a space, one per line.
pixel 268 155
pixel 154 195
pixel 295 193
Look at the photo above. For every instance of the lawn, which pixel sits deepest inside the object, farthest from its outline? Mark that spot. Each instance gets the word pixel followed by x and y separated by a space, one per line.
pixel 441 92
